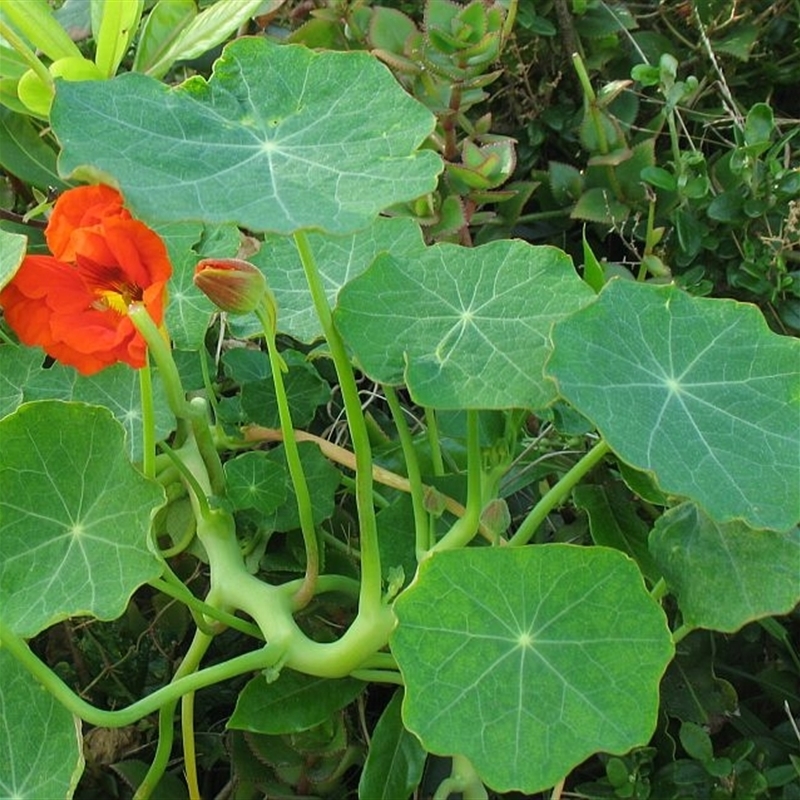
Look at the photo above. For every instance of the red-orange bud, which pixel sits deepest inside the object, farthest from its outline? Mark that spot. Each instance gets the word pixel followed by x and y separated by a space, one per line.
pixel 233 285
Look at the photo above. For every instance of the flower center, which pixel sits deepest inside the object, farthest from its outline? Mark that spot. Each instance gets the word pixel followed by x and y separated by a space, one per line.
pixel 117 299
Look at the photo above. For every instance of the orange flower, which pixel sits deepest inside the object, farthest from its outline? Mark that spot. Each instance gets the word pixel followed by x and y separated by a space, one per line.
pixel 74 303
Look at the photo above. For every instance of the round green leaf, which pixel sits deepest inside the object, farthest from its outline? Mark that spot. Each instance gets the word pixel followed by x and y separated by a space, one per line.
pixel 463 327
pixel 726 575
pixel 255 481
pixel 280 138
pixel 699 391
pixel 527 660
pixel 74 516
pixel 40 740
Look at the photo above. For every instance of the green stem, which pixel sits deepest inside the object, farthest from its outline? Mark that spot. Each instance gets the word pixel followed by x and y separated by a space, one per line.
pixel 148 421
pixel 432 430
pixel 162 355
pixel 463 530
pixel 198 491
pixel 201 609
pixel 266 656
pixel 412 471
pixel 659 590
pixel 378 676
pixel 189 750
pixel 370 598
pixel 681 633
pixel 198 410
pixel 558 493
pixel 463 780
pixel 306 592
pixel 19 44
pixel 166 716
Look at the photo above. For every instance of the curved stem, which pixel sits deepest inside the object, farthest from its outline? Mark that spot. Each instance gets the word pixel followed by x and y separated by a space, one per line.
pixel 558 493
pixel 197 649
pixel 267 656
pixel 162 355
pixel 370 599
pixel 412 468
pixel 306 592
pixel 189 750
pixel 432 432
pixel 464 529
pixel 340 455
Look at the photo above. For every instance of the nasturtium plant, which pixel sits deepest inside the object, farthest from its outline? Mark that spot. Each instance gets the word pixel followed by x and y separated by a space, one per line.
pixel 389 499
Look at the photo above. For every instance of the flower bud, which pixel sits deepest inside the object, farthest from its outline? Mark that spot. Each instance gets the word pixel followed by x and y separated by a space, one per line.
pixel 233 285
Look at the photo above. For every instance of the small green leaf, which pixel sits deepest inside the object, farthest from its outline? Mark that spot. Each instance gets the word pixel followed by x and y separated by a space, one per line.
pixel 395 760
pixel 527 660
pixel 464 327
pixel 17 367
pixel 40 740
pixel 273 123
pixel 294 702
pixel 74 516
pixel 254 480
pixel 698 391
pixel 600 205
pixel 726 575
pixel 119 22
pixel 305 391
pixel 759 125
pixel 696 742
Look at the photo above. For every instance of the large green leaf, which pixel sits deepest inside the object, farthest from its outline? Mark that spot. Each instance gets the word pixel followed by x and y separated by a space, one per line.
pixel 40 740
pixel 280 138
pixel 74 516
pixel 339 259
pixel 726 575
pixel 527 660
pixel 463 327
pixel 699 391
